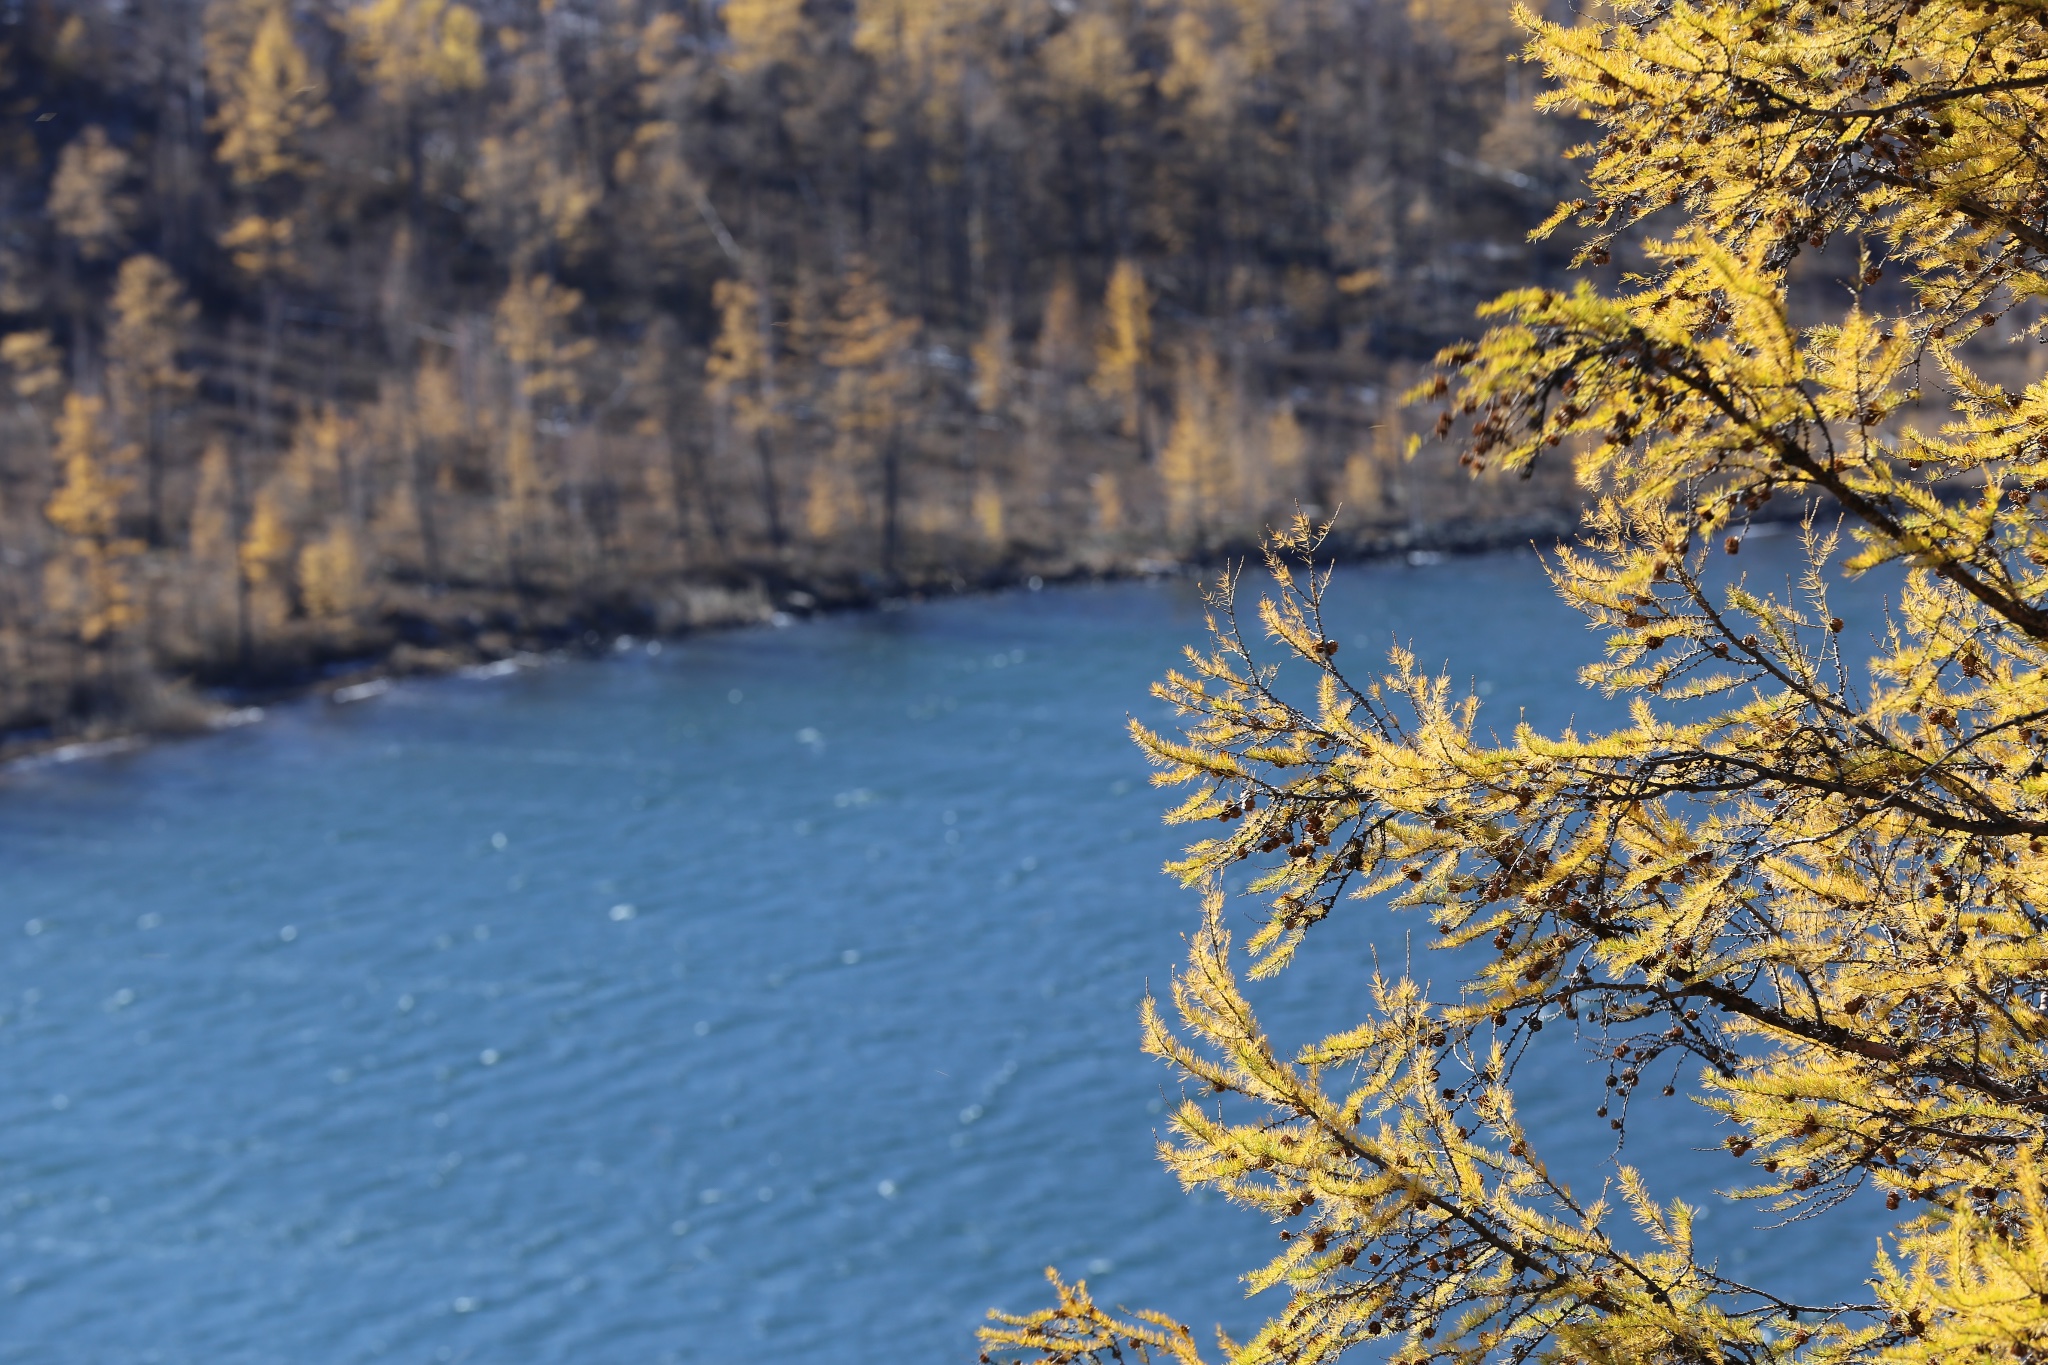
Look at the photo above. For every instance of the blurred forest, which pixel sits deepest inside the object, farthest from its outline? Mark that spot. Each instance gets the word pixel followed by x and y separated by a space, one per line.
pixel 424 331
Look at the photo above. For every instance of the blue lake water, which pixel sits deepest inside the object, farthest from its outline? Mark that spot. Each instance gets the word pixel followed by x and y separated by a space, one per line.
pixel 771 997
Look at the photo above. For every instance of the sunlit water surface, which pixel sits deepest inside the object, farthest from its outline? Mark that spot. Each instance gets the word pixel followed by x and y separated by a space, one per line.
pixel 771 997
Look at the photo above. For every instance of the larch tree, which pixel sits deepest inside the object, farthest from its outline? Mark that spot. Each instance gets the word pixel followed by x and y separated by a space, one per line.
pixel 1061 347
pixel 740 379
pixel 90 585
pixel 149 316
pixel 420 56
pixel 266 552
pixel 1194 463
pixel 269 99
pixel 88 203
pixel 533 329
pixel 1805 880
pixel 1125 350
pixel 417 51
pixel 90 209
pixel 873 378
pixel 1286 451
pixel 35 367
pixel 331 575
pixel 763 34
pixel 677 472
pixel 270 96
pixel 533 181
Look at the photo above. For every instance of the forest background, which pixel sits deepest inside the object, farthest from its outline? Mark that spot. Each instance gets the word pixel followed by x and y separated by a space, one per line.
pixel 417 332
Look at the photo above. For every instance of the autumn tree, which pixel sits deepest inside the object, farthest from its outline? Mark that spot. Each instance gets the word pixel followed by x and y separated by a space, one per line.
pixel 89 203
pixel 1125 350
pixel 677 471
pixel 35 367
pixel 533 178
pixel 1804 879
pixel 534 330
pixel 345 190
pixel 421 56
pixel 270 96
pixel 869 355
pixel 90 584
pixel 149 315
pixel 740 375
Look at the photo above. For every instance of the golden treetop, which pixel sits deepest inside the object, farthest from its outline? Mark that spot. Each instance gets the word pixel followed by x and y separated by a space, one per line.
pixel 87 202
pixel 150 312
pixel 419 48
pixel 270 96
pixel 533 328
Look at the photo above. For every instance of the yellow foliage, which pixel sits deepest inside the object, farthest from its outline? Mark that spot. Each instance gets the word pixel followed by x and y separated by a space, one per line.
pixel 310 479
pixel 213 508
pixel 526 495
pixel 415 48
pixel 35 362
pixel 534 185
pixel 87 503
pixel 1205 74
pixel 1089 61
pixel 738 365
pixel 988 509
pixel 1195 468
pixel 1809 885
pixel 995 366
pixel 331 575
pixel 149 315
pixel 269 95
pixel 1109 502
pixel 90 585
pixel 533 329
pixel 869 347
pixel 1286 444
pixel 919 50
pixel 1364 488
pixel 86 202
pixel 764 33
pixel 832 498
pixel 438 403
pixel 397 529
pixel 262 247
pixel 1062 345
pixel 268 542
pixel 1126 345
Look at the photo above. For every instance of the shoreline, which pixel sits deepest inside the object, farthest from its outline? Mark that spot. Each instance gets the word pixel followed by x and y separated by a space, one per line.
pixel 712 607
